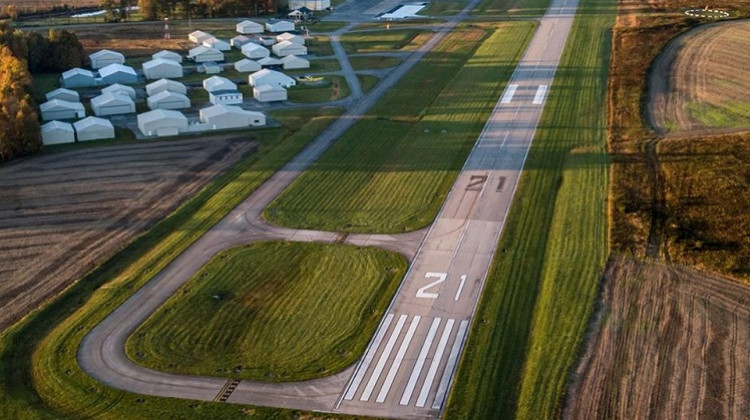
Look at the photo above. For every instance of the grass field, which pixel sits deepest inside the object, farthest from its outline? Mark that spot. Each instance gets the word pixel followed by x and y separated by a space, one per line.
pixel 39 374
pixel 392 170
pixel 283 311
pixel 378 41
pixel 443 8
pixel 543 283
pixel 515 8
pixel 331 88
pixel 374 62
pixel 367 82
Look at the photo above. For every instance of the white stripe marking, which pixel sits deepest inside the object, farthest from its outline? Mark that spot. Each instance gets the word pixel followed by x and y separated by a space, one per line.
pixel 541 92
pixel 508 95
pixel 383 359
pixel 368 358
pixel 434 365
pixel 420 362
pixel 460 287
pixel 397 361
pixel 450 366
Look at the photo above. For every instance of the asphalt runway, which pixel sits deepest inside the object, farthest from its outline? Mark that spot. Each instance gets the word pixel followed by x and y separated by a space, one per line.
pixel 408 367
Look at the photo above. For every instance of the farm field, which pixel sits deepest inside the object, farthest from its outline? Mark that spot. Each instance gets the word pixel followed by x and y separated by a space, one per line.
pixel 543 285
pixel 411 144
pixel 63 213
pixel 40 376
pixel 282 311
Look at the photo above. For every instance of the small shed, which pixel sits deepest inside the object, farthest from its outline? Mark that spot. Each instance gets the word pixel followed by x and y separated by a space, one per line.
pixel 118 73
pixel 78 77
pixel 288 36
pixel 284 48
pixel 292 62
pixel 64 94
pixel 249 27
pixel 270 77
pixel 168 55
pixel 58 109
pixel 160 68
pixel 162 122
pixel 221 116
pixel 165 84
pixel 103 58
pixel 168 100
pixel 56 132
pixel 279 25
pixel 94 128
pixel 211 68
pixel 310 4
pixel 202 54
pixel 303 13
pixel 226 97
pixel 120 89
pixel 254 51
pixel 268 93
pixel 246 65
pixel 239 41
pixel 198 36
pixel 112 104
pixel 217 44
pixel 270 62
pixel 216 83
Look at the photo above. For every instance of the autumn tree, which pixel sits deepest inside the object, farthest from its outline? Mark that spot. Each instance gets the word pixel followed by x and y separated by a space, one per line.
pixel 19 127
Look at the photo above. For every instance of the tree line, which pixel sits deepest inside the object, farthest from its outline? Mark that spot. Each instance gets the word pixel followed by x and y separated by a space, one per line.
pixel 156 9
pixel 21 54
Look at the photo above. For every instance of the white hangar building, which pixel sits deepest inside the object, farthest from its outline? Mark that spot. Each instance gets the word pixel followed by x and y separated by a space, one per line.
pixel 78 77
pixel 292 62
pixel 310 4
pixel 268 93
pixel 278 25
pixel 254 51
pixel 269 62
pixel 249 27
pixel 246 65
pixel 165 84
pixel 199 36
pixel 217 44
pixel 112 104
pixel 239 41
pixel 162 122
pixel 118 89
pixel 57 109
pixel 64 94
pixel 284 48
pixel 167 55
pixel 202 54
pixel 94 128
pixel 56 132
pixel 270 77
pixel 168 100
pixel 161 68
pixel 118 73
pixel 103 58
pixel 220 117
pixel 286 36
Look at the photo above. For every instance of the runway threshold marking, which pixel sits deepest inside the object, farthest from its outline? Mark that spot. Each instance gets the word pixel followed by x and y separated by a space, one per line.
pixel 541 92
pixel 436 358
pixel 227 390
pixel 450 366
pixel 420 362
pixel 383 359
pixel 397 361
pixel 368 358
pixel 508 95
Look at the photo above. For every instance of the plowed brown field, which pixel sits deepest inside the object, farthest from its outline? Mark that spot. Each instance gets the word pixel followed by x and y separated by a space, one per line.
pixel 674 343
pixel 62 213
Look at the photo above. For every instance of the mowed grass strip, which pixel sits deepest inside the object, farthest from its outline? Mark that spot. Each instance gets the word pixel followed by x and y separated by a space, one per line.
pixel 543 284
pixel 275 311
pixel 385 40
pixel 39 375
pixel 392 170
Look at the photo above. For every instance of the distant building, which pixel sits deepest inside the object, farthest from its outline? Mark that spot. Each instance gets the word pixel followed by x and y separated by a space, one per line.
pixel 216 83
pixel 56 132
pixel 211 68
pixel 64 94
pixel 168 100
pixel 268 93
pixel 254 51
pixel 310 4
pixel 287 36
pixel 225 97
pixel 199 36
pixel 284 48
pixel 278 25
pixel 77 78
pixel 303 13
pixel 249 27
pixel 168 55
pixel 162 122
pixel 112 104
pixel 161 68
pixel 118 73
pixel 165 84
pixel 270 77
pixel 120 89
pixel 202 54
pixel 246 65
pixel 57 109
pixel 103 58
pixel 239 41
pixel 94 128
pixel 270 62
pixel 221 116
pixel 292 62
pixel 217 44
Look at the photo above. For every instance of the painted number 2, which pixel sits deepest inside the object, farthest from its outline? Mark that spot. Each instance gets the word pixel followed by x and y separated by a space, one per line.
pixel 423 293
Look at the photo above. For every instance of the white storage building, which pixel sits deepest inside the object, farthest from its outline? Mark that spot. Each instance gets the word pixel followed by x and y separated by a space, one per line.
pixel 57 109
pixel 112 104
pixel 202 54
pixel 118 73
pixel 165 84
pixel 254 51
pixel 310 4
pixel 120 89
pixel 162 122
pixel 286 36
pixel 217 44
pixel 103 58
pixel 219 117
pixel 210 68
pixel 249 27
pixel 226 97
pixel 270 77
pixel 160 68
pixel 78 77
pixel 292 62
pixel 246 65
pixel 239 41
pixel 269 62
pixel 168 100
pixel 278 25
pixel 94 128
pixel 215 83
pixel 198 36
pixel 284 48
pixel 64 94
pixel 268 93
pixel 56 132
pixel 168 55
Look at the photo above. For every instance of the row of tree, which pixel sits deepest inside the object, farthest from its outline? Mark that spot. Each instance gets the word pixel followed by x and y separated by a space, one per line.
pixel 156 9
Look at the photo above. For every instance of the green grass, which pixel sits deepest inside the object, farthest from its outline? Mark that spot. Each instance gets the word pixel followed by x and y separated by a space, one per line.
pixel 367 81
pixel 543 284
pixel 374 62
pixel 392 170
pixel 378 41
pixel 39 375
pixel 515 8
pixel 331 88
pixel 730 114
pixel 318 66
pixel 319 45
pixel 283 311
pixel 321 26
pixel 43 83
pixel 443 8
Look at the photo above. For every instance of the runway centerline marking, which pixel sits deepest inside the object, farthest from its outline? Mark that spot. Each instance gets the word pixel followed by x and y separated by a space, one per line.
pixel 508 95
pixel 436 358
pixel 383 359
pixel 541 93
pixel 368 358
pixel 450 366
pixel 397 361
pixel 420 362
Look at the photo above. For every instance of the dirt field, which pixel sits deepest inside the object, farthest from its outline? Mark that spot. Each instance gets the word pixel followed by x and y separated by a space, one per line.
pixel 700 81
pixel 63 213
pixel 673 343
